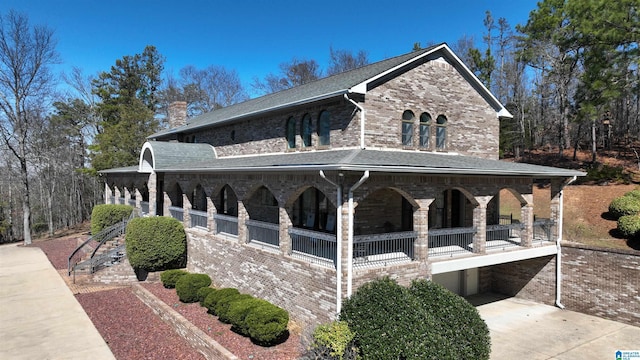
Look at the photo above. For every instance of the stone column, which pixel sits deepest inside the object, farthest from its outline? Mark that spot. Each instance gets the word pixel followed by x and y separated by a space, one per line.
pixel 211 212
pixel 344 246
pixel 186 211
pixel 166 203
pixel 556 194
pixel 127 196
pixel 526 217
pixel 153 194
pixel 117 195
pixel 480 223
pixel 242 223
pixel 107 193
pixel 421 227
pixel 138 200
pixel 284 225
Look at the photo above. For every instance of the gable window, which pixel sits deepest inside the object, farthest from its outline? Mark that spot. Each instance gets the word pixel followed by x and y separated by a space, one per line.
pixel 441 132
pixel 291 133
pixel 324 128
pixel 407 128
pixel 306 130
pixel 425 130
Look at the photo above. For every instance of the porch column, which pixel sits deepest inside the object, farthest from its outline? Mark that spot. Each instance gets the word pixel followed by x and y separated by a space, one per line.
pixel 186 211
pixel 127 196
pixel 242 223
pixel 421 227
pixel 138 199
pixel 343 247
pixel 153 194
pixel 107 193
pixel 117 195
pixel 211 212
pixel 480 223
pixel 556 194
pixel 526 217
pixel 166 203
pixel 284 224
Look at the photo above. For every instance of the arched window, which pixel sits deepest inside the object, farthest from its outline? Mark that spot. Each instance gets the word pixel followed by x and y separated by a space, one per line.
pixel 441 132
pixel 306 130
pixel 291 133
pixel 407 127
pixel 324 128
pixel 425 130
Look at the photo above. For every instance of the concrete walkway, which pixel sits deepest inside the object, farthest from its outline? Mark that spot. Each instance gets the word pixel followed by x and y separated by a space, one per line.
pixel 523 329
pixel 39 316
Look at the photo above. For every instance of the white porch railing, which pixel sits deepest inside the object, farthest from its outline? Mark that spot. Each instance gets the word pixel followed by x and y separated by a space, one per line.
pixel 451 241
pixel 226 224
pixel 198 219
pixel 132 202
pixel 263 232
pixel 383 248
pixel 176 213
pixel 504 236
pixel 144 207
pixel 112 200
pixel 314 246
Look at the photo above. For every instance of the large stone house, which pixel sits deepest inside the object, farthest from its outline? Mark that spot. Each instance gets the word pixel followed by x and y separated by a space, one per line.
pixel 392 169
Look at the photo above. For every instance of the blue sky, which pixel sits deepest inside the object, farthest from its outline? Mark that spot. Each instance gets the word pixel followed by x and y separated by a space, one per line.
pixel 254 37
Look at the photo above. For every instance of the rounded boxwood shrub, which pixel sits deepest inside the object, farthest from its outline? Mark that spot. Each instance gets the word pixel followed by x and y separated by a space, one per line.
pixel 391 322
pixel 212 299
pixel 170 277
pixel 238 311
pixel 156 243
pixel 627 204
pixel 103 216
pixel 188 285
pixel 629 225
pixel 267 324
pixel 222 307
pixel 203 293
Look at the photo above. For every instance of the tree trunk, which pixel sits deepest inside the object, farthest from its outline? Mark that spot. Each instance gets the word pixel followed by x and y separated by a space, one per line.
pixel 26 208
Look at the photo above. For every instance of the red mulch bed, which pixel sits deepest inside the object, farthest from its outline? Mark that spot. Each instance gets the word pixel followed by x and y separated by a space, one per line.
pixel 58 250
pixel 131 329
pixel 239 345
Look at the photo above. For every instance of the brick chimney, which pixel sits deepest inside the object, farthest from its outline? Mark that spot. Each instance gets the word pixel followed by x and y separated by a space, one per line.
pixel 177 114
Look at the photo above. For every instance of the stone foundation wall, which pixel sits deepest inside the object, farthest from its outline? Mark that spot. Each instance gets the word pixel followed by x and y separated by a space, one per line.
pixel 307 291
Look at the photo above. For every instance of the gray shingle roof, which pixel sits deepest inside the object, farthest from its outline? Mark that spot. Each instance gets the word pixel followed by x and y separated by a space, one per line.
pixel 374 160
pixel 323 88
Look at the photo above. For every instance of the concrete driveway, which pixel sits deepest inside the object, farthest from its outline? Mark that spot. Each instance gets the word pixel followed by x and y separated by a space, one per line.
pixel 522 329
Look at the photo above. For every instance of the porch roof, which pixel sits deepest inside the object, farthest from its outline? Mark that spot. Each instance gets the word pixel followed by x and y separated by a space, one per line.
pixel 394 161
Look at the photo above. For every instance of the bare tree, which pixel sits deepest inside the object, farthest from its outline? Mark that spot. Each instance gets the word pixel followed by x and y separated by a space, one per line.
pixel 344 60
pixel 293 73
pixel 26 83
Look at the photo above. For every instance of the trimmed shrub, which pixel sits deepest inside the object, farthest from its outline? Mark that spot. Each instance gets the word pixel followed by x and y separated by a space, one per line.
pixel 103 216
pixel 391 322
pixel 188 285
pixel 627 204
pixel 458 320
pixel 170 277
pixel 212 299
pixel 333 341
pixel 629 225
pixel 222 307
pixel 156 243
pixel 267 324
pixel 203 293
pixel 238 311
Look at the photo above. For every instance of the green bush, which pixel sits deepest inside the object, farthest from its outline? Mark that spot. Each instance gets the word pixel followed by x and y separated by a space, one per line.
pixel 212 299
pixel 188 285
pixel 267 323
pixel 629 225
pixel 600 173
pixel 627 204
pixel 391 322
pixel 156 243
pixel 203 293
pixel 238 311
pixel 222 307
pixel 103 216
pixel 333 341
pixel 170 277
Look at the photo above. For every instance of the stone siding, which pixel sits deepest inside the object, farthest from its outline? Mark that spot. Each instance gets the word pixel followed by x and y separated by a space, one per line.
pixel 307 291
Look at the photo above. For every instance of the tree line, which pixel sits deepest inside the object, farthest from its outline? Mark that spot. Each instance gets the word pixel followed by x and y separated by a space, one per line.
pixel 569 76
